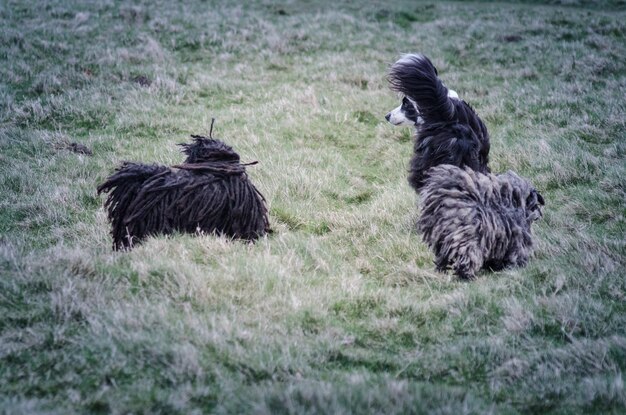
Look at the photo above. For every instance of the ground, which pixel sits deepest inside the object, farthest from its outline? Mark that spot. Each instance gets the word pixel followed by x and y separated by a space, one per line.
pixel 340 309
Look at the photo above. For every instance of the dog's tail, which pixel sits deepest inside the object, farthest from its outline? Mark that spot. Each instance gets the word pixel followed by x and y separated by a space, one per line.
pixel 415 76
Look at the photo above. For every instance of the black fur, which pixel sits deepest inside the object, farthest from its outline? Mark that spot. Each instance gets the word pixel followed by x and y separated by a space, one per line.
pixel 210 192
pixel 451 132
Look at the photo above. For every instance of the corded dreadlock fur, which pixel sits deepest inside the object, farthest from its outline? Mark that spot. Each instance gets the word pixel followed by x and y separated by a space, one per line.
pixel 209 192
pixel 473 220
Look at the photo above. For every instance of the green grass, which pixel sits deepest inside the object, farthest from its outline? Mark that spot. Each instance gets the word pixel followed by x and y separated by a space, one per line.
pixel 340 310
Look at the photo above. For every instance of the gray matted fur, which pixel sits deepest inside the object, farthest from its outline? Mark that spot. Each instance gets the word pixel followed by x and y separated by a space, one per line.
pixel 475 220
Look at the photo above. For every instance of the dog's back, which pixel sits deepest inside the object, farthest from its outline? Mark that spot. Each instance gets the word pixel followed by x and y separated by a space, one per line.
pixel 445 143
pixel 466 115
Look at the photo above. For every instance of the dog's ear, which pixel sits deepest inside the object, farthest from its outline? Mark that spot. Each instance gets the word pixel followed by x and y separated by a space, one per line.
pixel 534 194
pixel 540 199
pixel 534 202
pixel 406 102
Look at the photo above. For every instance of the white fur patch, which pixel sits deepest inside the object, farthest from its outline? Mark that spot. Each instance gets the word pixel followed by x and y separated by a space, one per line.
pixel 409 59
pixel 396 117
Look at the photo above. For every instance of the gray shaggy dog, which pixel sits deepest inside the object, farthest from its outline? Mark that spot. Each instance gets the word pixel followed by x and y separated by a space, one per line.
pixel 210 192
pixel 478 220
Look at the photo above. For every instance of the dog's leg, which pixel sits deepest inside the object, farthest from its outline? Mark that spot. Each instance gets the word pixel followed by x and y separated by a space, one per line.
pixel 464 273
pixel 468 261
pixel 495 265
pixel 441 263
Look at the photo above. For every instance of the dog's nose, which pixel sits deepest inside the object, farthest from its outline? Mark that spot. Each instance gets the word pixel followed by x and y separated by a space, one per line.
pixel 388 116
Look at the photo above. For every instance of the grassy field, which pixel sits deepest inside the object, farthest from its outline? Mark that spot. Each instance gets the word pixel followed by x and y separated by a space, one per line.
pixel 340 309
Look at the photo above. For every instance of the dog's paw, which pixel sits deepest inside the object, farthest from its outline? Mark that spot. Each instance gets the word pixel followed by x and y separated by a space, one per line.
pixel 465 274
pixel 441 265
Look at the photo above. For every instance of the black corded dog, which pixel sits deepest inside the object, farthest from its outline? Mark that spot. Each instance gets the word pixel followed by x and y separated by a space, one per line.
pixel 210 192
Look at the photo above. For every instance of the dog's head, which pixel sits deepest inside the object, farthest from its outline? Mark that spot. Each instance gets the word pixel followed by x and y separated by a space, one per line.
pixel 523 195
pixel 408 114
pixel 534 203
pixel 203 149
pixel 405 114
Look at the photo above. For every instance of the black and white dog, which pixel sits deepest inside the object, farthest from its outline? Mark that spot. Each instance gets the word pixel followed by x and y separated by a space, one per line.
pixel 448 129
